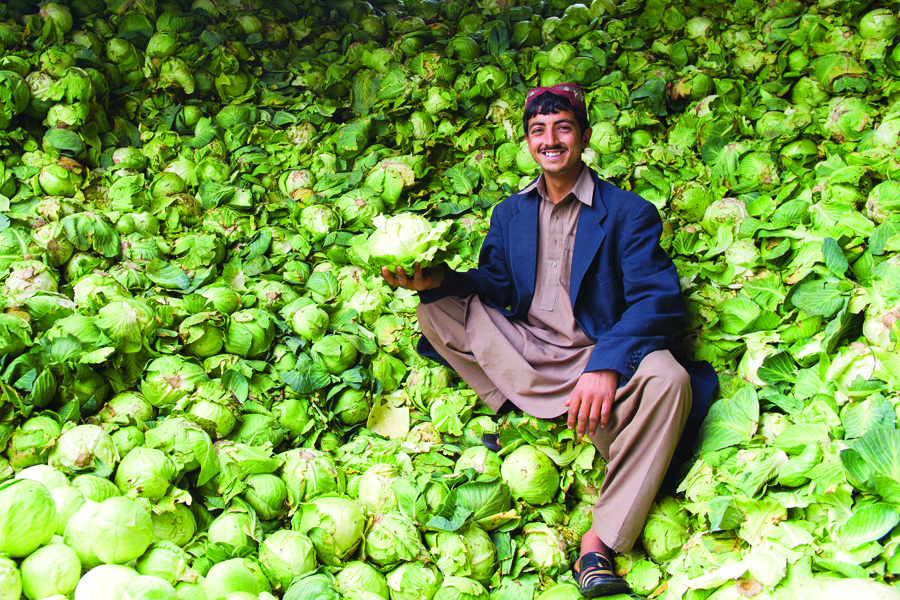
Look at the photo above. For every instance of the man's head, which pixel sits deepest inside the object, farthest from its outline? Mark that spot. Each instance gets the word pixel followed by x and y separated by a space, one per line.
pixel 556 128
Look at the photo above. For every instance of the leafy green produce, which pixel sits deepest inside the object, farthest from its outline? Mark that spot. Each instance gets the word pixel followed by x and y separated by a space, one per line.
pixel 202 371
pixel 104 579
pixel 400 241
pixel 27 517
pixel 50 570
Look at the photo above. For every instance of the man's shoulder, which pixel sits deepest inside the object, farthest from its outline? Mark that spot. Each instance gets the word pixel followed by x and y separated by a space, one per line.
pixel 616 199
pixel 513 203
pixel 622 206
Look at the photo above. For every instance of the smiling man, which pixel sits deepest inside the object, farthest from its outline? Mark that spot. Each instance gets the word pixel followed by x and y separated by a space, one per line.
pixel 572 310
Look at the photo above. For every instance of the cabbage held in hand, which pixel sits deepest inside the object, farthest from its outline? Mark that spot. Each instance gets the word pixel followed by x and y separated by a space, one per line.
pixel 401 240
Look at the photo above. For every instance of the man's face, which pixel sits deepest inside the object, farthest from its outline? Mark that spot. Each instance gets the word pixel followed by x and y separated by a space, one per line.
pixel 556 142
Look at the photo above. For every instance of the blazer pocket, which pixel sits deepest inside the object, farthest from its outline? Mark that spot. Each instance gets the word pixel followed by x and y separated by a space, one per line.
pixel 605 276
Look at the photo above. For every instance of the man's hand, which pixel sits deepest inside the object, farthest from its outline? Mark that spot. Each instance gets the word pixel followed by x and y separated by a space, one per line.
pixel 591 401
pixel 422 279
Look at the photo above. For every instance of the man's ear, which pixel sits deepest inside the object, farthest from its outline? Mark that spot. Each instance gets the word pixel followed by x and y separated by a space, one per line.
pixel 586 138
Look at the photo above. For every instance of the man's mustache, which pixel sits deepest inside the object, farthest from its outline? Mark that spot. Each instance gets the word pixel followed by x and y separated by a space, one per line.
pixel 552 148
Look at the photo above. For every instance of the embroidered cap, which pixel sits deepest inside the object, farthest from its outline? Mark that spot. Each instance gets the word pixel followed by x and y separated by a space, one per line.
pixel 569 91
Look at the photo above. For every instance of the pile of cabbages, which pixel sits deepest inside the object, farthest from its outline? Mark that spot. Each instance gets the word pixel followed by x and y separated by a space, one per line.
pixel 207 391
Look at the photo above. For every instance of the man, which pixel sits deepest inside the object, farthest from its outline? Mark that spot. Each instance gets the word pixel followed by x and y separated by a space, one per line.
pixel 572 309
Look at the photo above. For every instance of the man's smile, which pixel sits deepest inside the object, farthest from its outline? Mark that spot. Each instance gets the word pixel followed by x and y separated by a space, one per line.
pixel 554 153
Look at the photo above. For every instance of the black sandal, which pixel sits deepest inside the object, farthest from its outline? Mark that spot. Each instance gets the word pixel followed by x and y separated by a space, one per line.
pixel 596 577
pixel 491 441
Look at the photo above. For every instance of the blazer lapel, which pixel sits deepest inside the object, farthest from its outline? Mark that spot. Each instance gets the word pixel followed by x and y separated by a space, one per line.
pixel 588 237
pixel 523 247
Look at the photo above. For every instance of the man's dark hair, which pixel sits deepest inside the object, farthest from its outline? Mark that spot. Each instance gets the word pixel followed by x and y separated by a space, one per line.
pixel 548 104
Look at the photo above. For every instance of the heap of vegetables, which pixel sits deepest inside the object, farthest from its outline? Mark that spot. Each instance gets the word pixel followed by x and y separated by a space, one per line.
pixel 208 392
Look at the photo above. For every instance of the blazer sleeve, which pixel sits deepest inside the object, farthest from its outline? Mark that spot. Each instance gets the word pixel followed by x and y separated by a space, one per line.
pixel 654 306
pixel 492 280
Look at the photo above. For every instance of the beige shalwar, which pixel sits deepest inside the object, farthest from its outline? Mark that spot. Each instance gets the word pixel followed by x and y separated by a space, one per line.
pixel 536 363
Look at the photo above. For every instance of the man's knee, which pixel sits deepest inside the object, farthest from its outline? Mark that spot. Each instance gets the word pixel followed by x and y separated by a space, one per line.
pixel 675 378
pixel 668 382
pixel 443 321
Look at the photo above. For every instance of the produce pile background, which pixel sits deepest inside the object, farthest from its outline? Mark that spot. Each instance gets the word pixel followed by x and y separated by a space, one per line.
pixel 194 374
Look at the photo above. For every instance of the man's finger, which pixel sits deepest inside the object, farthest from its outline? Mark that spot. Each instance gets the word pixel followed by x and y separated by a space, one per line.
pixel 604 412
pixel 401 277
pixel 595 417
pixel 419 278
pixel 574 401
pixel 583 415
pixel 389 277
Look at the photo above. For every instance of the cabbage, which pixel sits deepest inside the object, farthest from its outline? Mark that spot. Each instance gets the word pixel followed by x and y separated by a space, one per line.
pixel 666 530
pixel 401 241
pixel 393 538
pixel 266 494
pixel 149 587
pixel 170 378
pixel 145 473
pixel 164 560
pixel 375 491
pixel 250 333
pixel 310 473
pixel 461 588
pixel 879 24
pixel 84 447
pixel 335 526
pixel 177 526
pixel 484 462
pixel 284 556
pixel 50 570
pixel 414 581
pixel 30 444
pixel 28 517
pixel 229 577
pixel 336 352
pixel 357 577
pixel 103 582
pixel 530 475
pixel 116 530
pixel 544 547
pixel 27 278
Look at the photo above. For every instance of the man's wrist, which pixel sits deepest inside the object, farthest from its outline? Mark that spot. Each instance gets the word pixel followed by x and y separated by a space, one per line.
pixel 608 373
pixel 437 276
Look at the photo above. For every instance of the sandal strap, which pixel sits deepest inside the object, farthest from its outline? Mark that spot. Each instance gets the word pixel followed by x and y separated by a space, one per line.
pixel 593 566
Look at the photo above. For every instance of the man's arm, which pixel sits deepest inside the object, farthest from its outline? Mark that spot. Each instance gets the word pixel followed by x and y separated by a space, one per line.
pixel 654 310
pixel 491 280
pixel 655 307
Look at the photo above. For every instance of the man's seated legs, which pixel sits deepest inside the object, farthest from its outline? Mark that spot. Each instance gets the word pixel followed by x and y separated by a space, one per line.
pixel 638 442
pixel 443 323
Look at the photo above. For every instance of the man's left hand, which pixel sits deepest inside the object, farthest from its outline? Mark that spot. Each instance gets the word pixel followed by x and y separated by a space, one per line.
pixel 591 401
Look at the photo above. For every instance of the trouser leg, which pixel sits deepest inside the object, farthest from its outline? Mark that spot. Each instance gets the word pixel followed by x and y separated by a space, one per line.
pixel 444 324
pixel 638 442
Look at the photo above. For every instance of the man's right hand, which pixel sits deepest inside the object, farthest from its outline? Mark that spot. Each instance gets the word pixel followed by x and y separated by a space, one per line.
pixel 422 279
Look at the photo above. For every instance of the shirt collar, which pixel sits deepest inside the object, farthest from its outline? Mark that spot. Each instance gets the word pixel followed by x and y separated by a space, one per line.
pixel 583 188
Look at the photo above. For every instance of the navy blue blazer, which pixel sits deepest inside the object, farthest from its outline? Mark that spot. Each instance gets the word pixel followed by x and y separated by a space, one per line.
pixel 625 291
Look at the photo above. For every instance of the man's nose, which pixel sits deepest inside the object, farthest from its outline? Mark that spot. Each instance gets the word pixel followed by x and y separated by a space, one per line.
pixel 551 137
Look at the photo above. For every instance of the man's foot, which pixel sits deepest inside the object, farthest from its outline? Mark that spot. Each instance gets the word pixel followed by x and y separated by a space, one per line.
pixel 596 578
pixel 491 441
